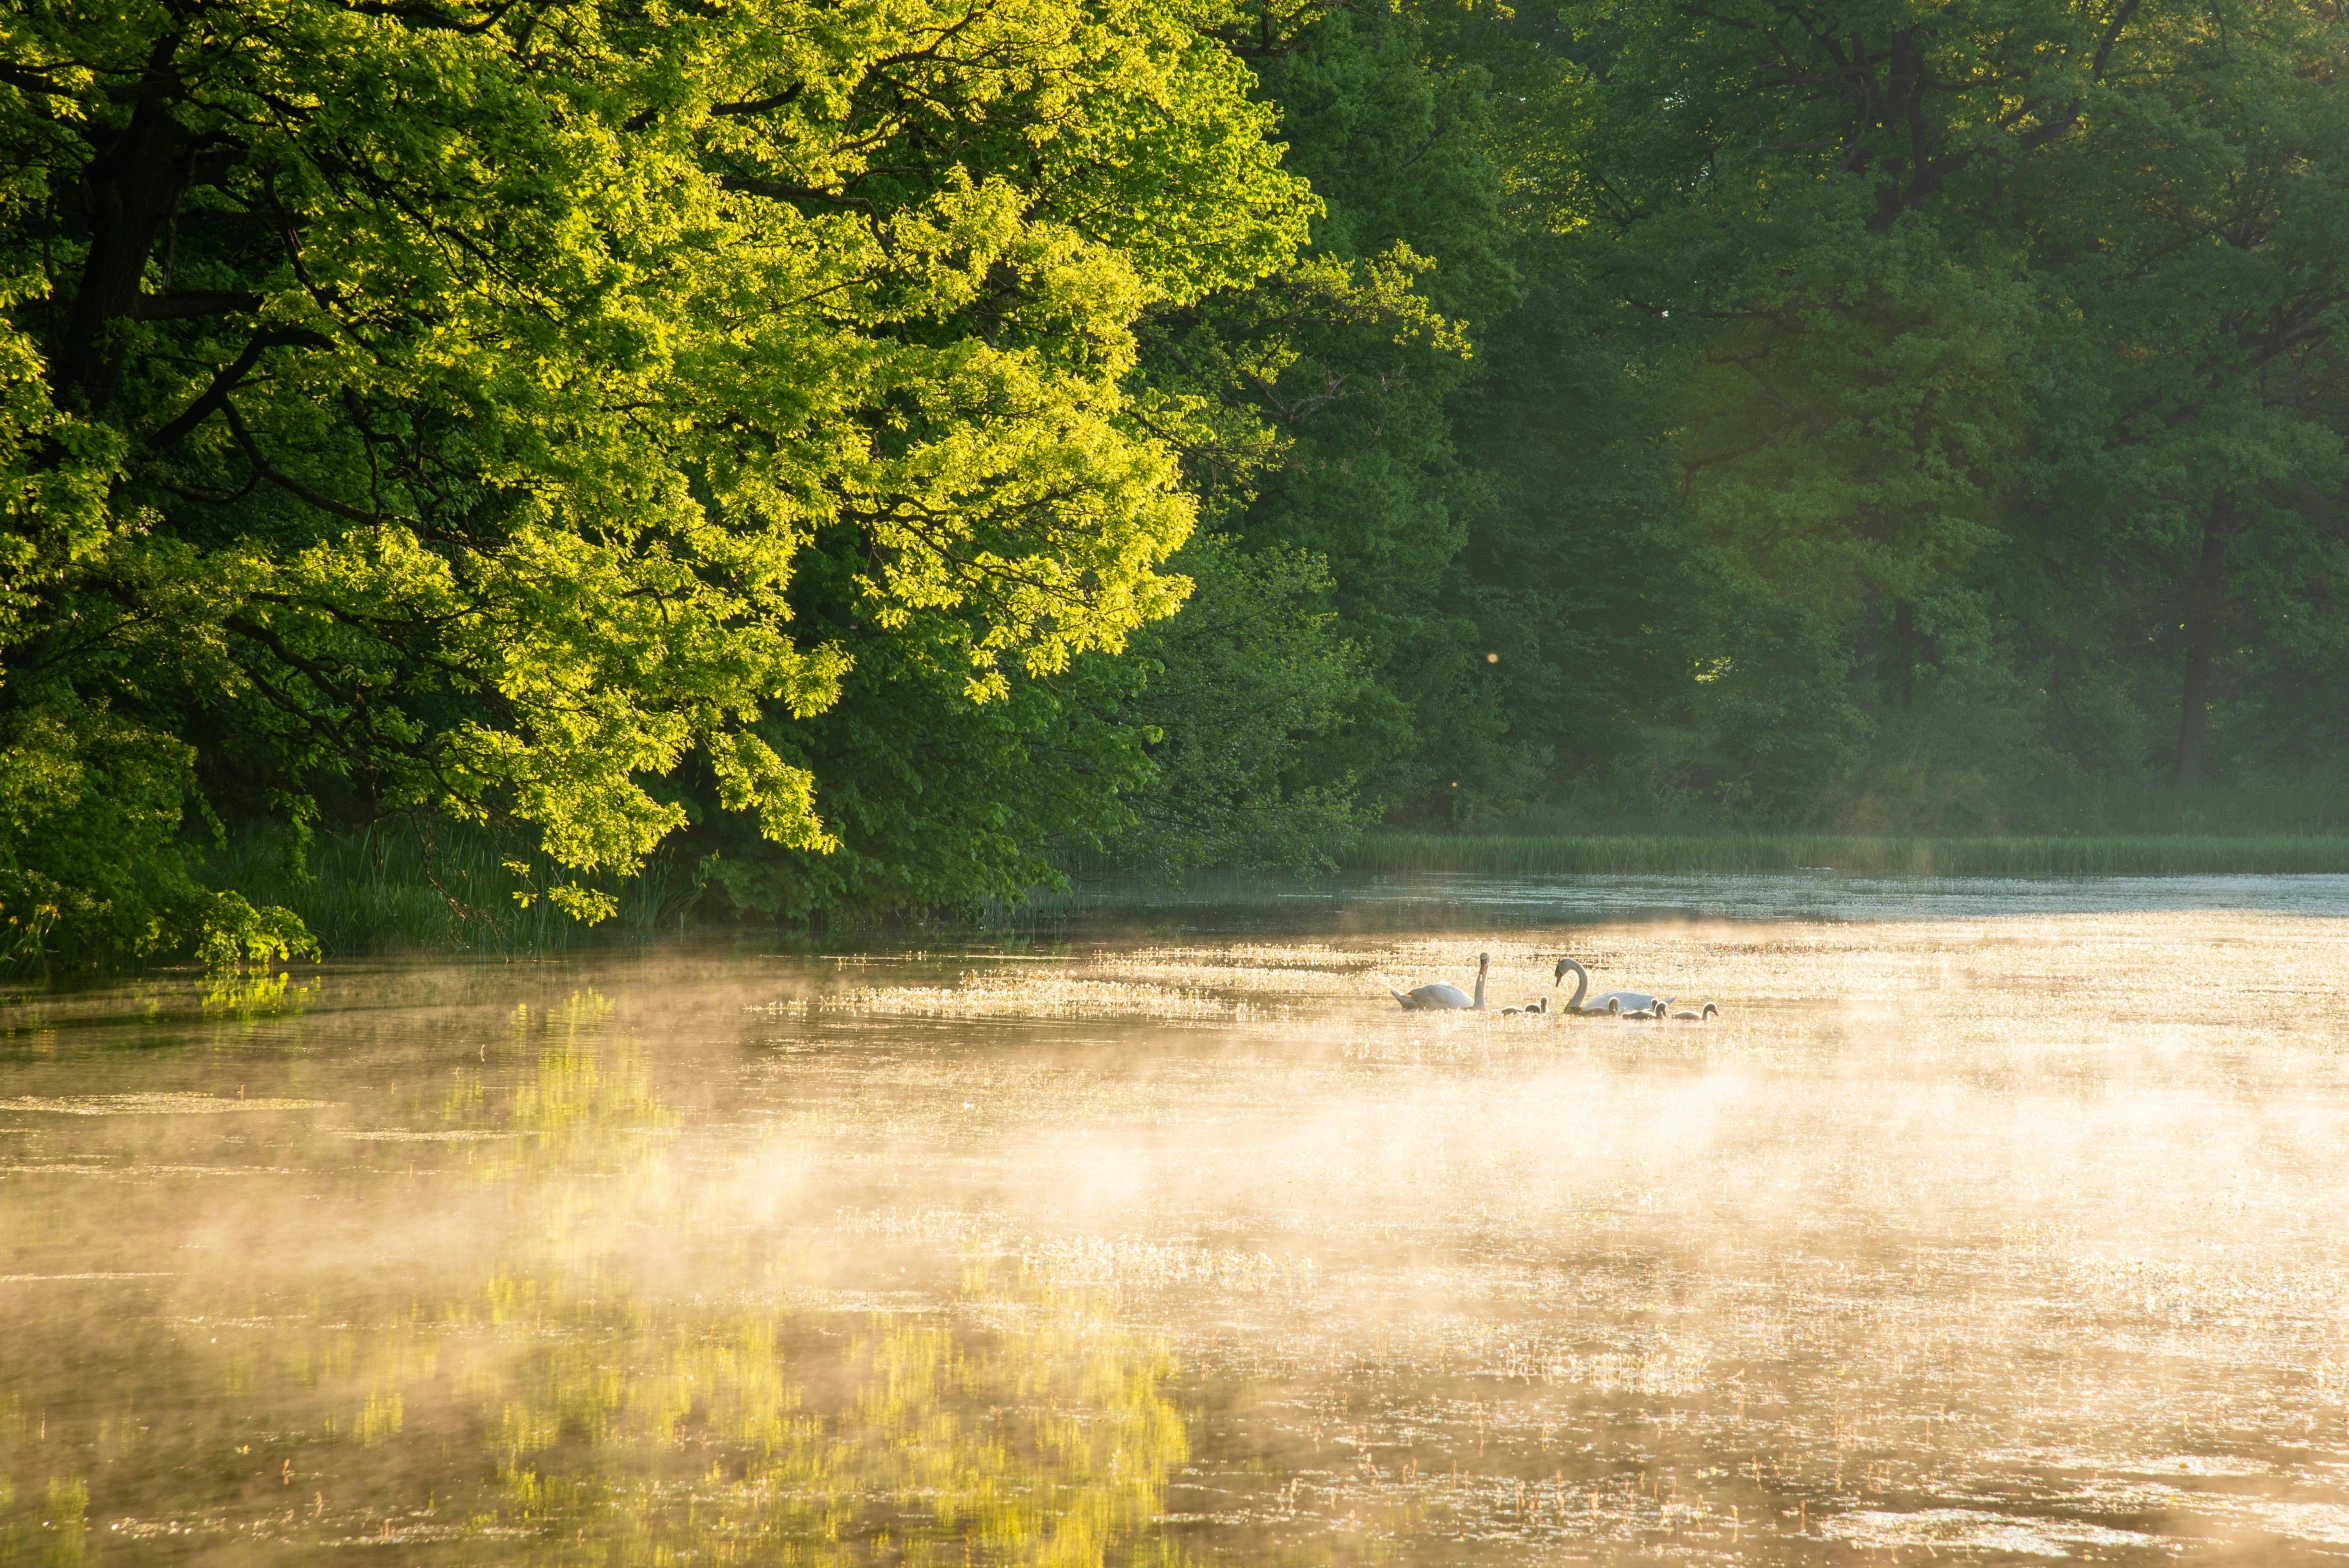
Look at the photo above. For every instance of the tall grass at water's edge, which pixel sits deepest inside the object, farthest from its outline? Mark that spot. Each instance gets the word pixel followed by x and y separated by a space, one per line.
pixel 397 886
pixel 1500 854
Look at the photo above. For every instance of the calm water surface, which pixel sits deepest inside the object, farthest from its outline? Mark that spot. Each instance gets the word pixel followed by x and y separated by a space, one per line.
pixel 1983 1224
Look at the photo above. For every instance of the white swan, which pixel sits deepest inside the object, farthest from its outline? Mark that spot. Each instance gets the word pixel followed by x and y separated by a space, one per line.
pixel 1613 1004
pixel 1441 995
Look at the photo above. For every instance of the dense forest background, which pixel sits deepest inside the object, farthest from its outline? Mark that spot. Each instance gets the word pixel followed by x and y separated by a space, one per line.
pixel 860 458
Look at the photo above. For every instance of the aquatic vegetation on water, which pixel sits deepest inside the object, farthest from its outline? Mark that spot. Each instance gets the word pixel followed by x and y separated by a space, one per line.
pixel 151 1104
pixel 1041 996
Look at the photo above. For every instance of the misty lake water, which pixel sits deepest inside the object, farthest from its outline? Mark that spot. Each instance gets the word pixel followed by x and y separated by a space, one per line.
pixel 1989 1221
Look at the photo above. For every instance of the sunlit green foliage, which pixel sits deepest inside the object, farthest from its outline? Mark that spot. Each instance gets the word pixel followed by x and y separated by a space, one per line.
pixel 441 401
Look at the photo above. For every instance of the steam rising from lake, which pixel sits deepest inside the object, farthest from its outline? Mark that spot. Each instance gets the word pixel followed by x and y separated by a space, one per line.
pixel 1977 1234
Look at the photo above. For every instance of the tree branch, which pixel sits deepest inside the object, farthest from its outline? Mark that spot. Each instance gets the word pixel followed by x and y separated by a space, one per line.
pixel 183 303
pixel 761 105
pixel 226 379
pixel 287 482
pixel 775 190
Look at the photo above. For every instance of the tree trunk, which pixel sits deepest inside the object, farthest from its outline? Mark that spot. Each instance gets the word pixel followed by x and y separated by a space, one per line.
pixel 132 187
pixel 2205 603
pixel 1864 678
pixel 1904 652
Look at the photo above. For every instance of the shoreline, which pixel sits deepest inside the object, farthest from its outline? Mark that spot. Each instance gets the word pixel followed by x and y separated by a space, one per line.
pixel 1901 855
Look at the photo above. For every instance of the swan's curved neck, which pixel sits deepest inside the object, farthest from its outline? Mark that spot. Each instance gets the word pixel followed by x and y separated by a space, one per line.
pixel 1581 985
pixel 1480 985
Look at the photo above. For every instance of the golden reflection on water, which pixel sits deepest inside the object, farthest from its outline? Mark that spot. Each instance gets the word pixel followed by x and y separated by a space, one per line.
pixel 2012 1239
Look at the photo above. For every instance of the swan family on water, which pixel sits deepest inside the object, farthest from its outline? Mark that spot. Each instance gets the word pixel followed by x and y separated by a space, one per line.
pixel 1444 996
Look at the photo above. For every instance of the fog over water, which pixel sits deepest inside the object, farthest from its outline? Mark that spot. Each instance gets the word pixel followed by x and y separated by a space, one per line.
pixel 1989 1221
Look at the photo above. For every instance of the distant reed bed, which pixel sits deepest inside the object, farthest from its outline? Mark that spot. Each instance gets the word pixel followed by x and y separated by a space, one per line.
pixel 1530 854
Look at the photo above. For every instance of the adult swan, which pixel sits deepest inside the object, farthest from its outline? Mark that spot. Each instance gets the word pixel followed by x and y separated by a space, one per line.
pixel 1613 1004
pixel 1440 995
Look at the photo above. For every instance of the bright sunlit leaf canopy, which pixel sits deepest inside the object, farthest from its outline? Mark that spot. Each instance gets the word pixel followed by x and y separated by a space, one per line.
pixel 443 395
